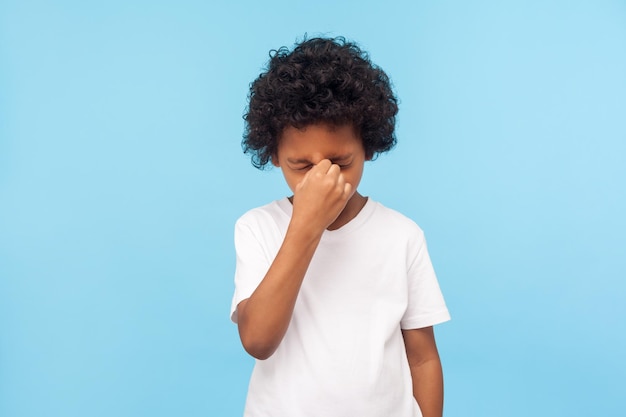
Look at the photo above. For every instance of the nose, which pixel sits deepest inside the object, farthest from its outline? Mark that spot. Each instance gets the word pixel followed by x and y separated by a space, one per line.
pixel 317 158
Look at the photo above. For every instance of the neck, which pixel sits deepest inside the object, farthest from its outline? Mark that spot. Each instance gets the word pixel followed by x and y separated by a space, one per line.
pixel 352 209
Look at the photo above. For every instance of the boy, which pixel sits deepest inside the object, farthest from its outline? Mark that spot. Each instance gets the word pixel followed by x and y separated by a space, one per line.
pixel 335 295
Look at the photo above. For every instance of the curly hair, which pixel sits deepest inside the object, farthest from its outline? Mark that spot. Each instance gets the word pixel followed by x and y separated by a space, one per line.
pixel 320 81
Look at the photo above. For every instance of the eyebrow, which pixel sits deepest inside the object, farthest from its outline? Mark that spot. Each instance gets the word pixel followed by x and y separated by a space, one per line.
pixel 333 158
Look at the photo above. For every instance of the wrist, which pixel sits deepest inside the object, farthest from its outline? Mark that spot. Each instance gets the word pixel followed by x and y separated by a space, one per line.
pixel 305 232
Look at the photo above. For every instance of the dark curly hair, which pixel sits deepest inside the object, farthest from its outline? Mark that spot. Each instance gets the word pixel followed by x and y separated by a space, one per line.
pixel 321 80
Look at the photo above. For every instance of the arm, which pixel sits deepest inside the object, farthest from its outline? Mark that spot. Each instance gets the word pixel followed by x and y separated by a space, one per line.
pixel 264 317
pixel 426 370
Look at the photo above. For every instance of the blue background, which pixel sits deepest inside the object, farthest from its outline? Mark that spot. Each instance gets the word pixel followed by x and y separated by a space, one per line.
pixel 121 176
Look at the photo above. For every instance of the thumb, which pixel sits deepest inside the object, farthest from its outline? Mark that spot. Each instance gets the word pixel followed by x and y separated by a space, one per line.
pixel 347 190
pixel 303 180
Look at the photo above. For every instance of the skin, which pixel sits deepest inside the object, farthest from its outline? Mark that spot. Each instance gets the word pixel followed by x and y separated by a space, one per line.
pixel 322 165
pixel 426 373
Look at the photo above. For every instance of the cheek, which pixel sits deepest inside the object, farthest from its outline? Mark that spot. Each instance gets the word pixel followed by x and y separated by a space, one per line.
pixel 292 179
pixel 354 177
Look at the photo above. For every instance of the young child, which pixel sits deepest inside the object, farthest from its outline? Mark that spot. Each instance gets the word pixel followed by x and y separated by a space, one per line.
pixel 335 294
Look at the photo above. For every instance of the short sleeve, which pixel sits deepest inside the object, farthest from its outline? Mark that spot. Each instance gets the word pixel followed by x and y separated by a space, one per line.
pixel 252 264
pixel 426 306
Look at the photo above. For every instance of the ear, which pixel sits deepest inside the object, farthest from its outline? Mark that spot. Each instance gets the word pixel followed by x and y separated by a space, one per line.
pixel 274 160
pixel 369 156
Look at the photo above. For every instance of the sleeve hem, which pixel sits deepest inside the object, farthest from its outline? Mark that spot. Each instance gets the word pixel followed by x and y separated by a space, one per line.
pixel 425 321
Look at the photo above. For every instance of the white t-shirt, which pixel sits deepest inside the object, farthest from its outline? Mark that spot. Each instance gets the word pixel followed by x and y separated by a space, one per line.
pixel 343 353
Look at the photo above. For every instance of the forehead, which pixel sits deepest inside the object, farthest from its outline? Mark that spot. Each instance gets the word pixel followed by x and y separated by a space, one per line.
pixel 326 139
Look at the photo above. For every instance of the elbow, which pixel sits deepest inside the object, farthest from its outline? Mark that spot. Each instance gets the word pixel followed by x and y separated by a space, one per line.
pixel 257 338
pixel 257 343
pixel 261 353
pixel 258 349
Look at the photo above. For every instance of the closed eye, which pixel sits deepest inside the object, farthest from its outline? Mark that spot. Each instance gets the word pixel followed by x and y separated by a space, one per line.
pixel 309 166
pixel 304 168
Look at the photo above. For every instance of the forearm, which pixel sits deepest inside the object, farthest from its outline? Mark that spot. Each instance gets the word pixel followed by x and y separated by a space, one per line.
pixel 428 387
pixel 318 200
pixel 264 317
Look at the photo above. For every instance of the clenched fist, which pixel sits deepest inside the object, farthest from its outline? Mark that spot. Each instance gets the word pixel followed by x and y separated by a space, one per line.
pixel 321 196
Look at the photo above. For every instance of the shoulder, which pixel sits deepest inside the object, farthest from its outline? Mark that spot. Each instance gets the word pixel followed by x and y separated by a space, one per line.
pixel 394 221
pixel 261 214
pixel 270 218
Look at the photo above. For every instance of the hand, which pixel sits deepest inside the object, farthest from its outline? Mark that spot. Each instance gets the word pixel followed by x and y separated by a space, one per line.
pixel 321 196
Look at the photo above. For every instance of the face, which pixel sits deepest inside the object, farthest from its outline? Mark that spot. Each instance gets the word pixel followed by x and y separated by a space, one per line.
pixel 300 149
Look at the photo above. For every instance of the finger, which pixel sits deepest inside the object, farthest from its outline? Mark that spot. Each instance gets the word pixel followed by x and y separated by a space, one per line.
pixel 341 182
pixel 347 190
pixel 323 166
pixel 304 179
pixel 334 170
pixel 309 173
